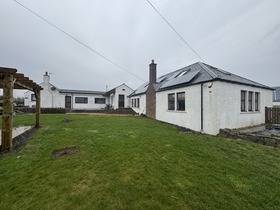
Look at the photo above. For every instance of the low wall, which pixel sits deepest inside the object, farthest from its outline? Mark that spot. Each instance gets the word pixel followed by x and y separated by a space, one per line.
pixel 267 140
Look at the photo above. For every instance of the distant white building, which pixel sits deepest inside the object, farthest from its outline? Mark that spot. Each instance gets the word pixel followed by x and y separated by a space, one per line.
pixel 53 97
pixel 202 98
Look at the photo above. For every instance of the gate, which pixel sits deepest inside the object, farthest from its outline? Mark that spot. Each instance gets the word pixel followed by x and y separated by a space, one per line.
pixel 272 115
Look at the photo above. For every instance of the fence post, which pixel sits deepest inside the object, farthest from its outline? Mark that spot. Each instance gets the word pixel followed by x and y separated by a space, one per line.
pixel 268 119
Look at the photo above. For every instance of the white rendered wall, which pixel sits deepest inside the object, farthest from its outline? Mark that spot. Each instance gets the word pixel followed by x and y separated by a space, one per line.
pixel 91 105
pixel 190 118
pixel 111 100
pixel 142 104
pixel 121 90
pixel 27 99
pixel 54 99
pixel 223 101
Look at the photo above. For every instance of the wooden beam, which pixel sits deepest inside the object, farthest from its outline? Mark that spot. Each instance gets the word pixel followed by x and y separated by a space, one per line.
pixel 22 78
pixel 7 70
pixel 18 75
pixel 38 106
pixel 7 113
pixel 22 85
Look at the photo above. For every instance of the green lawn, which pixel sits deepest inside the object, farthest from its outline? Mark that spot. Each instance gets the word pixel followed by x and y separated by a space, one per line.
pixel 136 163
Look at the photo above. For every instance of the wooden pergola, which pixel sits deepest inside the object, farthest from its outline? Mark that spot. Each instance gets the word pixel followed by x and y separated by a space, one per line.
pixel 10 80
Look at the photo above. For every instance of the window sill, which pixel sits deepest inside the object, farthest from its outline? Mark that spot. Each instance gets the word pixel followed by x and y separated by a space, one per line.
pixel 177 111
pixel 251 112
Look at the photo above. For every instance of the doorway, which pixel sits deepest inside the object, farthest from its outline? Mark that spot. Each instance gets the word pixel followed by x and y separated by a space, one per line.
pixel 121 101
pixel 68 102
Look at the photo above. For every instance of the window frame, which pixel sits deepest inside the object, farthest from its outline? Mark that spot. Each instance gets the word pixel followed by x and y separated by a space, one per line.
pixel 181 102
pixel 171 101
pixel 132 102
pixel 137 102
pixel 243 104
pixel 81 100
pixel 257 101
pixel 250 101
pixel 96 100
pixel 33 97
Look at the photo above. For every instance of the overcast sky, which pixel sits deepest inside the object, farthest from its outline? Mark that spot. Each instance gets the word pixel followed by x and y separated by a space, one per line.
pixel 239 36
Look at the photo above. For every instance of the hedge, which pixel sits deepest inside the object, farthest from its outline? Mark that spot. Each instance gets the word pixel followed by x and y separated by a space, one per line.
pixel 43 110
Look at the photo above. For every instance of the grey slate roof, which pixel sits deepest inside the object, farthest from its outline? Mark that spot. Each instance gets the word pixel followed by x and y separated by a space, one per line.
pixel 81 92
pixel 195 74
pixel 76 91
pixel 276 94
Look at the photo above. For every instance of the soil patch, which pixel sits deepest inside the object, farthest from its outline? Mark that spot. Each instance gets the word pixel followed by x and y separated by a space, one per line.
pixel 67 120
pixel 67 151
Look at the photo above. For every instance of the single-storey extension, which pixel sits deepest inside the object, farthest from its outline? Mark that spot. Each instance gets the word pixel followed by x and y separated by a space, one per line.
pixel 53 97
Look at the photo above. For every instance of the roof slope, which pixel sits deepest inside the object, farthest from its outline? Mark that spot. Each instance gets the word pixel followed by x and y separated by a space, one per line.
pixel 195 74
pixel 90 92
pixel 276 94
pixel 81 92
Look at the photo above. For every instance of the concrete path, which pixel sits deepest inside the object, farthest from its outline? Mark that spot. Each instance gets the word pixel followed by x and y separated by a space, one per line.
pixel 17 131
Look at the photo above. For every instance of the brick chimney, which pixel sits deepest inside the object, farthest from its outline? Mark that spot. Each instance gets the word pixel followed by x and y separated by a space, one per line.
pixel 153 73
pixel 46 78
pixel 151 92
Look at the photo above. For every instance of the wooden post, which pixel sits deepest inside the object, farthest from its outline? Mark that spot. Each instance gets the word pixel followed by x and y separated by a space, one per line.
pixel 7 113
pixel 38 106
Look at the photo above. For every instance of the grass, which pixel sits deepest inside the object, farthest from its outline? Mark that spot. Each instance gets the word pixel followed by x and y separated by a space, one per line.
pixel 136 163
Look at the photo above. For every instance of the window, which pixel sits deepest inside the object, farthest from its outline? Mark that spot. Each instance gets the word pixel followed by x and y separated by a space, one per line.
pixel 171 101
pixel 250 101
pixel 243 101
pixel 181 101
pixel 33 97
pixel 81 100
pixel 132 102
pixel 99 100
pixel 135 102
pixel 257 101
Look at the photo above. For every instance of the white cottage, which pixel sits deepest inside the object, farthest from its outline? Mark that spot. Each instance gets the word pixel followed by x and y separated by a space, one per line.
pixel 202 98
pixel 53 97
pixel 119 97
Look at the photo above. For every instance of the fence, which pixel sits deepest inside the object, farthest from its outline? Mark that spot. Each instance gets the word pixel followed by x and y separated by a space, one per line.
pixel 272 115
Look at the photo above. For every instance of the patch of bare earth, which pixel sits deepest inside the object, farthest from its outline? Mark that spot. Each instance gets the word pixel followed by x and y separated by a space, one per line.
pixel 67 151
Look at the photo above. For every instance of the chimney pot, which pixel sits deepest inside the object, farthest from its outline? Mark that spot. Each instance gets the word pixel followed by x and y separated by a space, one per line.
pixel 46 78
pixel 153 73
